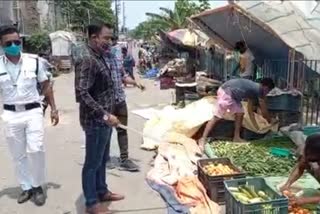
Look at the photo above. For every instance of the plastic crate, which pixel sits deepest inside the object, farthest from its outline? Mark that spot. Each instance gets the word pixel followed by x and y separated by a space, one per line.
pixel 309 130
pixel 214 184
pixel 224 130
pixel 233 206
pixel 284 102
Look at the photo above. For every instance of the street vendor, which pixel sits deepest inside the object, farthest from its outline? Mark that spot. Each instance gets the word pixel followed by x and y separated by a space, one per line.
pixel 230 94
pixel 310 155
pixel 188 82
pixel 246 64
pixel 142 53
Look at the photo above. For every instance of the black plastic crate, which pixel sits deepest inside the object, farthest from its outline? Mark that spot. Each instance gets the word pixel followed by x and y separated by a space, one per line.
pixel 233 206
pixel 284 102
pixel 214 184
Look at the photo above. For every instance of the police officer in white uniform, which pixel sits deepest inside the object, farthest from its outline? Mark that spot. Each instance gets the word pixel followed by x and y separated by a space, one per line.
pixel 22 114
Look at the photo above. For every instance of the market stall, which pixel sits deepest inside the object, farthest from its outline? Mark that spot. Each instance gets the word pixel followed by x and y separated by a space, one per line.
pixel 279 23
pixel 290 56
pixel 180 73
pixel 188 37
pixel 244 177
pixel 174 68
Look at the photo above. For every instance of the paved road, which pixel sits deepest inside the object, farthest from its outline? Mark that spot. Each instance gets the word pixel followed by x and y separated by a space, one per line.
pixel 65 158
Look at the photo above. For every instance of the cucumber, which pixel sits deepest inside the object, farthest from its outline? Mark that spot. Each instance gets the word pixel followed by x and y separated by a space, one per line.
pixel 244 191
pixel 241 197
pixel 233 189
pixel 250 189
pixel 267 209
pixel 264 195
pixel 255 200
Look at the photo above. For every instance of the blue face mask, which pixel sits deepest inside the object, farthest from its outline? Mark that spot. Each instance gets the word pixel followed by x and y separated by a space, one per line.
pixel 13 50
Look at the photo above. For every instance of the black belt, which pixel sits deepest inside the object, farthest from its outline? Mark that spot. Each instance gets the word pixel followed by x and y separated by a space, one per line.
pixel 25 107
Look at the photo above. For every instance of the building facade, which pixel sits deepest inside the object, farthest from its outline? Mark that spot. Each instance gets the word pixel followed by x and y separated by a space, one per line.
pixel 29 15
pixel 6 13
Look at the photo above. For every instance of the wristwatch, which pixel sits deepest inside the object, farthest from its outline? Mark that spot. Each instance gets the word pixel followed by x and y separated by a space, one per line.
pixel 106 117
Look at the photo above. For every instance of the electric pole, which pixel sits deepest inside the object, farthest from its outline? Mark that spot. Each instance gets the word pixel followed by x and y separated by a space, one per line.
pixel 89 16
pixel 117 11
pixel 124 18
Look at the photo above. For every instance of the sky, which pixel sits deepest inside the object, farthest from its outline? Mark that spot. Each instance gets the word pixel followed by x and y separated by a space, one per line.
pixel 135 10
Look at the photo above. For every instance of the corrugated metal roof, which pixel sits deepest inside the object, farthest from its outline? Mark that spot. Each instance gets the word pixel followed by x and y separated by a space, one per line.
pixel 270 28
pixel 298 26
pixel 230 24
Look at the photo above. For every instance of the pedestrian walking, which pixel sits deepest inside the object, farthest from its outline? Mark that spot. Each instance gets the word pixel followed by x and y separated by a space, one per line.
pixel 120 77
pixel 116 48
pixel 95 95
pixel 22 113
pixel 128 62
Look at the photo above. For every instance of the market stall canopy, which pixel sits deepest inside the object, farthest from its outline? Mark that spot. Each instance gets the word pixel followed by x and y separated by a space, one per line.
pixel 155 39
pixel 311 10
pixel 172 45
pixel 188 37
pixel 270 28
pixel 61 42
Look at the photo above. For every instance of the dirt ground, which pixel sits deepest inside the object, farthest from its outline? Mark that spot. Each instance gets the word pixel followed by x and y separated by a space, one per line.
pixel 65 157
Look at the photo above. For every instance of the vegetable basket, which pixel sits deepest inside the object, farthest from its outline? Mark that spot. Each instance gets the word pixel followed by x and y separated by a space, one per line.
pixel 214 184
pixel 273 203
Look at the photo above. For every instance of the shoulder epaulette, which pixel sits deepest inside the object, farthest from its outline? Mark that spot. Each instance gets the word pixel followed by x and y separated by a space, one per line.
pixel 33 56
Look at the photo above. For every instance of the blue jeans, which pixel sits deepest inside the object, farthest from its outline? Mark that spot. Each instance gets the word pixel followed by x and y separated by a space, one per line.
pixel 94 168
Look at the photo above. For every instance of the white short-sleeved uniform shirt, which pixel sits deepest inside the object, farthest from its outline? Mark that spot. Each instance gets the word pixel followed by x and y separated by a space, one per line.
pixel 18 82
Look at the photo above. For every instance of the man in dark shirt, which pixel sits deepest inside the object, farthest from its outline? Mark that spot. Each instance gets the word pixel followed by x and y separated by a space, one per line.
pixel 310 162
pixel 95 95
pixel 230 95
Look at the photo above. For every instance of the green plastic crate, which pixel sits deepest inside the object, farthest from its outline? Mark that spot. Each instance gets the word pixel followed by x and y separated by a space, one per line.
pixel 233 206
pixel 310 130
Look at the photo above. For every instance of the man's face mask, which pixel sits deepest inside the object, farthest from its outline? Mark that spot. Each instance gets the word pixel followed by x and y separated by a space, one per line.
pixel 12 48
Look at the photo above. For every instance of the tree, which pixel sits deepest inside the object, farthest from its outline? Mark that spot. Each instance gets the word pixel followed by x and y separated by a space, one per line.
pixel 169 19
pixel 204 5
pixel 177 18
pixel 145 30
pixel 83 12
pixel 38 42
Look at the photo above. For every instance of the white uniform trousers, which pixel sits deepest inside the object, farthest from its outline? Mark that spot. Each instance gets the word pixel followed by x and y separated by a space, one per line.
pixel 25 135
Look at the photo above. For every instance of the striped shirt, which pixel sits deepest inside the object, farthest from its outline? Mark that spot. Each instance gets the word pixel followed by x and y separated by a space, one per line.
pixel 118 75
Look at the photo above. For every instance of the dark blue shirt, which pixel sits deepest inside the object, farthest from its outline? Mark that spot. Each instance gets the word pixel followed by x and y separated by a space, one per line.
pixel 128 63
pixel 240 89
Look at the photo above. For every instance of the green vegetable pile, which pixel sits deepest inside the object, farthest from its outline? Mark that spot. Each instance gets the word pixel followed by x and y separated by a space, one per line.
pixel 247 194
pixel 255 158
